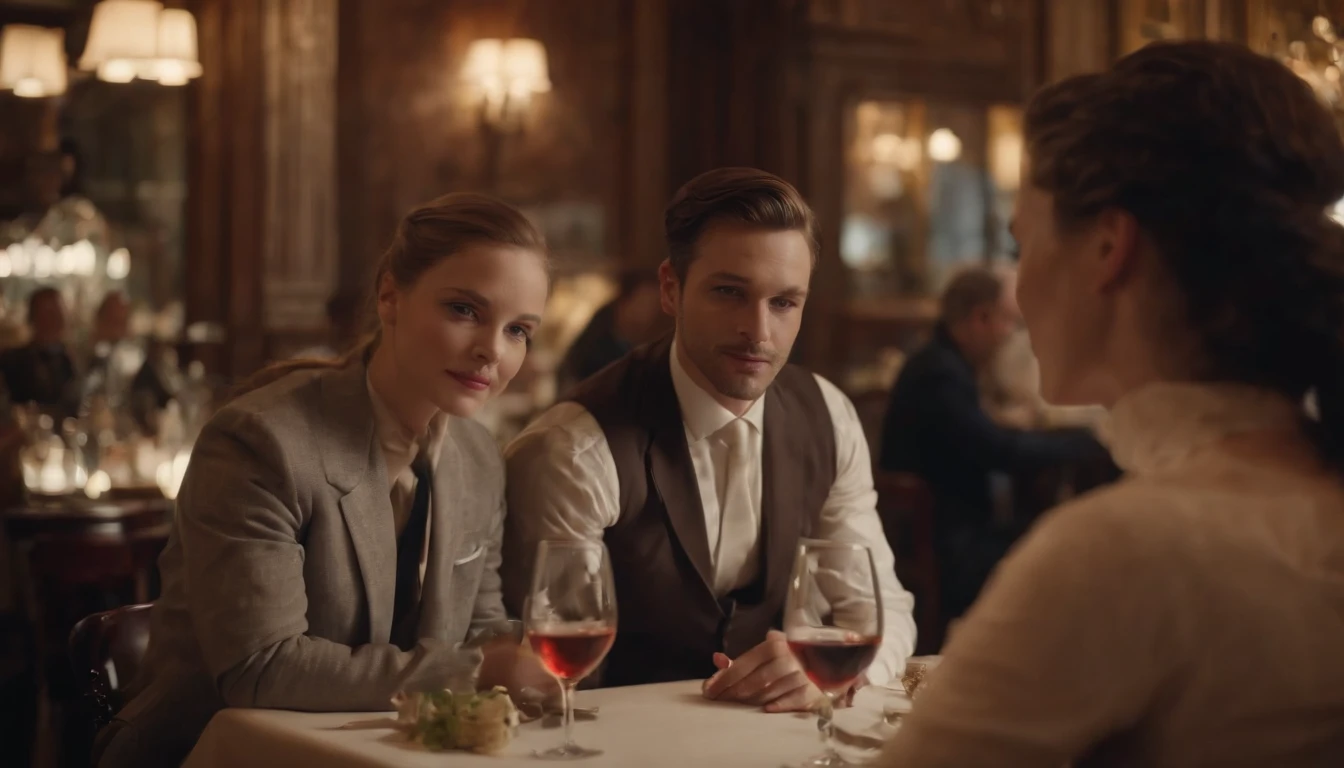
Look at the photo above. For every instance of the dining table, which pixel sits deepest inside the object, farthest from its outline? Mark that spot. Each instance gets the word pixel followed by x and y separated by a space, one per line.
pixel 652 726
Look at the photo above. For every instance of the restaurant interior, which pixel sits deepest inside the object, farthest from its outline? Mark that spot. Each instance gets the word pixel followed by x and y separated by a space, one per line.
pixel 207 186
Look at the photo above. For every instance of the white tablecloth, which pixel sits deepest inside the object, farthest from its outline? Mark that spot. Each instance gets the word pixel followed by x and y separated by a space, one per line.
pixel 649 725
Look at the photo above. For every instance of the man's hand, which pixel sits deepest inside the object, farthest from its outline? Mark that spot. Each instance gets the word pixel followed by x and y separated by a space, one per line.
pixel 766 676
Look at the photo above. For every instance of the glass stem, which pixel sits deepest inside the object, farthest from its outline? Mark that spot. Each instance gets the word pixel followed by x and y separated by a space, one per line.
pixel 826 723
pixel 567 700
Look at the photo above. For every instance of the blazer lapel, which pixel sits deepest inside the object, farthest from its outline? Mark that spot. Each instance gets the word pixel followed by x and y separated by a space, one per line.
pixel 355 465
pixel 445 536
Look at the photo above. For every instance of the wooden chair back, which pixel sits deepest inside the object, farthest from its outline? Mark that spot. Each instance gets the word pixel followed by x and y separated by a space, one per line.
pixel 106 651
pixel 905 506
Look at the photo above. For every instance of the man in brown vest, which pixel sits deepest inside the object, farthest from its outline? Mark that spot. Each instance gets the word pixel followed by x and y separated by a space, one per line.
pixel 702 459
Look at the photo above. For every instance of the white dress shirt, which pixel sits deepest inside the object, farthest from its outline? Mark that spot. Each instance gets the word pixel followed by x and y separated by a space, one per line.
pixel 572 492
pixel 400 447
pixel 1190 615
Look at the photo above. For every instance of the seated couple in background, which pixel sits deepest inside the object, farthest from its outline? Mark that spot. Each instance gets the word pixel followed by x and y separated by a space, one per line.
pixel 339 532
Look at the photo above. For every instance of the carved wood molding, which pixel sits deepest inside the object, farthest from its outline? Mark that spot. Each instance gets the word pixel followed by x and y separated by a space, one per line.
pixel 946 18
pixel 262 255
pixel 300 254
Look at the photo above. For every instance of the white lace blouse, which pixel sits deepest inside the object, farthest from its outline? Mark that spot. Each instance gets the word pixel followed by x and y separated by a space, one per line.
pixel 1191 615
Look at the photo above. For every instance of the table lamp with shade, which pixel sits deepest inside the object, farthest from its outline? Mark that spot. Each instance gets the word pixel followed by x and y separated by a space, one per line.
pixel 32 61
pixel 131 39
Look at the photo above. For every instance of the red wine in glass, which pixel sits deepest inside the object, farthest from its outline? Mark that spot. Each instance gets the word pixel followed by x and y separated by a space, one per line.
pixel 570 616
pixel 833 661
pixel 833 625
pixel 571 653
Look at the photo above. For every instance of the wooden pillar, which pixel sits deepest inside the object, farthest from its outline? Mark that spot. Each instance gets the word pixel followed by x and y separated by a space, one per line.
pixel 299 131
pixel 644 178
pixel 1081 36
pixel 262 254
pixel 731 66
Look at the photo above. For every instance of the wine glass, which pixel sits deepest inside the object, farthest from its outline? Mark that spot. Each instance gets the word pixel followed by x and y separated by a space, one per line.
pixel 571 621
pixel 833 624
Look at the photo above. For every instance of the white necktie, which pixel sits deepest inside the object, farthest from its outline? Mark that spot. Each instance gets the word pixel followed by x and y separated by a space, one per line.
pixel 737 538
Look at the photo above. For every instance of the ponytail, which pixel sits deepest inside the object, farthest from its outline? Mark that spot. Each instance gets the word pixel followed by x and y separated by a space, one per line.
pixel 276 371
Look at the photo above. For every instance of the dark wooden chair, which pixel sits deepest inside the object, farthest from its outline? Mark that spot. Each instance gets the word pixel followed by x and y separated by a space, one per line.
pixel 905 506
pixel 74 557
pixel 106 650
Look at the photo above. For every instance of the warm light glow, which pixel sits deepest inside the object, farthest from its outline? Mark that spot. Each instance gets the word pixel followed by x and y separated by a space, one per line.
pixel 891 149
pixel 504 71
pixel 65 260
pixel 169 72
pixel 21 257
pixel 944 146
pixel 1323 29
pixel 1007 161
pixel 44 261
pixel 119 264
pixel 524 67
pixel 117 71
pixel 482 66
pixel 177 61
pixel 51 478
pixel 140 38
pixel 86 258
pixel 32 61
pixel 98 484
pixel 121 31
pixel 885 182
pixel 1005 147
pixel 170 473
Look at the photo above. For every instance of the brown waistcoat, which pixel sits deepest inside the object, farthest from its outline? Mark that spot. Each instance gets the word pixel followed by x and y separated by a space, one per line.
pixel 670 621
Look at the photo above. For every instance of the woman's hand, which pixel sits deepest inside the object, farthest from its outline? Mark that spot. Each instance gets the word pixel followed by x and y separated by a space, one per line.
pixel 513 666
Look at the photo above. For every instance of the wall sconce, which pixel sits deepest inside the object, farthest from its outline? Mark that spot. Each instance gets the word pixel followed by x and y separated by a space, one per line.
pixel 32 61
pixel 506 73
pixel 141 38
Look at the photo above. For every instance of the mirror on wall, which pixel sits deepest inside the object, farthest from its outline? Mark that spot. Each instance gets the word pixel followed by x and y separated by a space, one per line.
pixel 929 189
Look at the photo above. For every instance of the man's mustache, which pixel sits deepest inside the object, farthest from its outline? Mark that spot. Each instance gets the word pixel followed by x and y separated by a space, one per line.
pixel 758 351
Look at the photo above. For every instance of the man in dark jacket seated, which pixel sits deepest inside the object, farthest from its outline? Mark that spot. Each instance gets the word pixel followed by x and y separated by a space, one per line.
pixel 936 427
pixel 41 371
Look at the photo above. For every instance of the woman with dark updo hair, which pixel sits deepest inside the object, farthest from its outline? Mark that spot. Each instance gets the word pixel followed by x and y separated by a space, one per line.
pixel 1178 266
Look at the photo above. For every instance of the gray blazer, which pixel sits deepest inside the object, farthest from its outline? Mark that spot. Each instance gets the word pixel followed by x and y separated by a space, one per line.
pixel 280 573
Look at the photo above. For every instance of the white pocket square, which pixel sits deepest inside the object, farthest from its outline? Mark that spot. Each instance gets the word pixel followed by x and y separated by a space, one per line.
pixel 475 553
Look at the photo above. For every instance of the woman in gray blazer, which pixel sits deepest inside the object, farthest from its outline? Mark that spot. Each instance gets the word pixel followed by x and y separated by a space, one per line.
pixel 337 534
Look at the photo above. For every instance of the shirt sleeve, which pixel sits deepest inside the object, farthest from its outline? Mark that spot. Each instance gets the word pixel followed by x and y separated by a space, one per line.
pixel 850 515
pixel 561 485
pixel 1068 645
